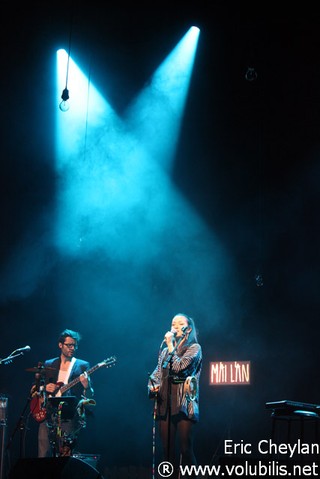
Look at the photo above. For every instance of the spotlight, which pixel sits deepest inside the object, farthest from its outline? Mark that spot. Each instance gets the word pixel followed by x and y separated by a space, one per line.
pixel 251 74
pixel 64 105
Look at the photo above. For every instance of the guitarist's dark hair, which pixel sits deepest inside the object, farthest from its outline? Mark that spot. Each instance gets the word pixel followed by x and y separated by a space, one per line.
pixel 72 334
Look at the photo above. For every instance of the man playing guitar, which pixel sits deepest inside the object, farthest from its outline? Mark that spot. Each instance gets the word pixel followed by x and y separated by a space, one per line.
pixel 64 376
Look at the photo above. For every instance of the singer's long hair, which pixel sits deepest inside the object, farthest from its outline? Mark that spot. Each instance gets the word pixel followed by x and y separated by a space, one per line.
pixel 193 335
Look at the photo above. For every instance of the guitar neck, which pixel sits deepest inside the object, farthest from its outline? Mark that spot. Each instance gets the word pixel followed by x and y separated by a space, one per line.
pixel 75 381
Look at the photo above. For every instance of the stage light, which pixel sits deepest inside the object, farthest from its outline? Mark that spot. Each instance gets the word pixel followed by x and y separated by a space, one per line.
pixel 64 104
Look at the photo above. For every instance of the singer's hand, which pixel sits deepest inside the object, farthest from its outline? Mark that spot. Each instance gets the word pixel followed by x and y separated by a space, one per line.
pixel 169 338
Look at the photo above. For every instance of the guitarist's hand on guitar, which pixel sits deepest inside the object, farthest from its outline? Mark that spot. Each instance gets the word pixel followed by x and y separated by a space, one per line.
pixel 51 388
pixel 84 380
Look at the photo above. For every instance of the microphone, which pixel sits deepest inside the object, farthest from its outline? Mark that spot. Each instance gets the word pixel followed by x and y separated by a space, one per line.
pixel 183 329
pixel 21 350
pixel 174 331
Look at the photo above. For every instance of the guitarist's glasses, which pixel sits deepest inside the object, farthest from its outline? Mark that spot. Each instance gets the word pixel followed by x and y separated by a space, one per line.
pixel 71 345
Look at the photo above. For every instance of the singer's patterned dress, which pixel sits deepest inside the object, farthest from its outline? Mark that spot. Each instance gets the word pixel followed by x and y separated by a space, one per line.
pixel 186 362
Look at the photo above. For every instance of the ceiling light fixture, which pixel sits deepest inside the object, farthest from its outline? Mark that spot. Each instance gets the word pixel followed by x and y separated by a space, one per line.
pixel 64 104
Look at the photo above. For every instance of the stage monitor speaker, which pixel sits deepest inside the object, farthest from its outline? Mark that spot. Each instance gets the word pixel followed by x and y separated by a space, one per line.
pixel 53 468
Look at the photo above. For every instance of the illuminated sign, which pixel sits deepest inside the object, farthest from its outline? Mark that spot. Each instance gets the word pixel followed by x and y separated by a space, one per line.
pixel 229 373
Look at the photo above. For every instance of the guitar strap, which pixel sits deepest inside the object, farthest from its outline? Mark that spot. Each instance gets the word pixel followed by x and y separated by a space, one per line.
pixel 64 375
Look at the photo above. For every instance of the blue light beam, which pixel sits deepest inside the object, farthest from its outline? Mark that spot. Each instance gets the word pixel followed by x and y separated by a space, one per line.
pixel 157 113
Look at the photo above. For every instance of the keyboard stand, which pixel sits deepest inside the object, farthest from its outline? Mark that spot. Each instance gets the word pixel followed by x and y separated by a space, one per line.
pixel 291 415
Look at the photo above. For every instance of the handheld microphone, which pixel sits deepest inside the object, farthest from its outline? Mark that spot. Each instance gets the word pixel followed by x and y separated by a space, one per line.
pixel 173 331
pixel 21 350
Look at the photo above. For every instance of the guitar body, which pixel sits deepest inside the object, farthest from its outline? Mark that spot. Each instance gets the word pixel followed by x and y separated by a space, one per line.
pixel 37 407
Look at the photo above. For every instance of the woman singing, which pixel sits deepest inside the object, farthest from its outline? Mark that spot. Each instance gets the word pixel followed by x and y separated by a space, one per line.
pixel 174 384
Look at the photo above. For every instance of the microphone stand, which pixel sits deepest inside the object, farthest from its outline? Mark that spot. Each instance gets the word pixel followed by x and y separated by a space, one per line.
pixel 154 430
pixel 21 423
pixel 14 354
pixel 3 425
pixel 22 427
pixel 11 357
pixel 165 364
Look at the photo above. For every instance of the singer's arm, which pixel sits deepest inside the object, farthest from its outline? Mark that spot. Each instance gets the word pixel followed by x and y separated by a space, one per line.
pixel 155 377
pixel 185 364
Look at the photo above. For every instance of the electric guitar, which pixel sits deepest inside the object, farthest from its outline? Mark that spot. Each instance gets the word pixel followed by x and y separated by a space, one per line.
pixel 37 409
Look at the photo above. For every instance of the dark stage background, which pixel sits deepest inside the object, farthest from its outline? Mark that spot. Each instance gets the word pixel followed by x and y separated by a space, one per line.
pixel 247 165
